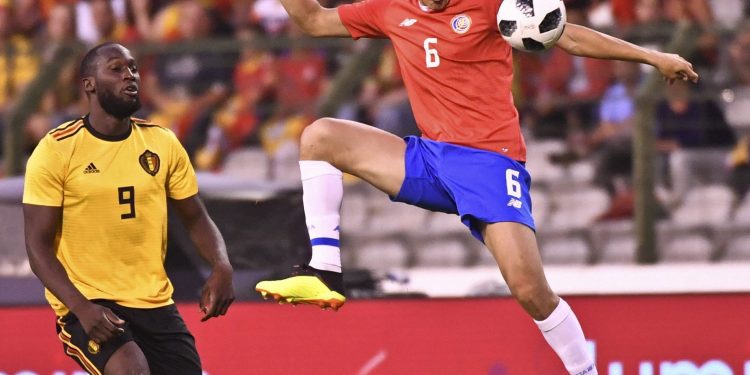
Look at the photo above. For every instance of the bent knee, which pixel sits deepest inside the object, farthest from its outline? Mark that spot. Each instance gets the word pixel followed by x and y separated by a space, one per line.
pixel 538 300
pixel 315 141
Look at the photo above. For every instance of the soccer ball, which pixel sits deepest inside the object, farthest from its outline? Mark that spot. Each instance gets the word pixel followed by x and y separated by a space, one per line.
pixel 531 25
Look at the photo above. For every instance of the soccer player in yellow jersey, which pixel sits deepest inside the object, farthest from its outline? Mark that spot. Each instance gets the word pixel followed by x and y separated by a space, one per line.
pixel 95 211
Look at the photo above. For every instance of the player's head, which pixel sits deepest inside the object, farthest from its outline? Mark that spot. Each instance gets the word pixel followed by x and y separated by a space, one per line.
pixel 110 79
pixel 435 5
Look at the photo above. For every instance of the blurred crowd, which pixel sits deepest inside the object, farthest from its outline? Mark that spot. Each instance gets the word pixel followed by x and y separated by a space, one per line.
pixel 219 101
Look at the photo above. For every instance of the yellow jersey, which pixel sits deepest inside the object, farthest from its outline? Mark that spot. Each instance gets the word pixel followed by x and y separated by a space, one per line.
pixel 113 192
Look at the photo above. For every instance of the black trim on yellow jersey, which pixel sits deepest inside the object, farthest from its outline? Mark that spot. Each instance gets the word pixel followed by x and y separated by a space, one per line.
pixel 69 124
pixel 104 137
pixel 145 123
pixel 68 131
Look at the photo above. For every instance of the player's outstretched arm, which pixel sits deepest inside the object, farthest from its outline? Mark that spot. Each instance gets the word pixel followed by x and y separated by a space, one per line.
pixel 218 292
pixel 314 19
pixel 41 224
pixel 582 41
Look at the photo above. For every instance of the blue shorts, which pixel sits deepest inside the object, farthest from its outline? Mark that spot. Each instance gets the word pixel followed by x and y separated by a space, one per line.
pixel 478 185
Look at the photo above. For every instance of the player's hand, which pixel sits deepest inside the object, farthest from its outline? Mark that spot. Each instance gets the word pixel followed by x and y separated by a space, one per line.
pixel 673 67
pixel 218 293
pixel 100 323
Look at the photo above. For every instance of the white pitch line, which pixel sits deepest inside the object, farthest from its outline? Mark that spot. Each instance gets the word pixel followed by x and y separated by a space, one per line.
pixel 375 361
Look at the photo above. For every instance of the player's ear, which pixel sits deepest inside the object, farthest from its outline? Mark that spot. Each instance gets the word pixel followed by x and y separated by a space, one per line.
pixel 88 85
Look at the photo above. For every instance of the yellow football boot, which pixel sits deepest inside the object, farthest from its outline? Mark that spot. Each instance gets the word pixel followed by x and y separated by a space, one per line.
pixel 306 285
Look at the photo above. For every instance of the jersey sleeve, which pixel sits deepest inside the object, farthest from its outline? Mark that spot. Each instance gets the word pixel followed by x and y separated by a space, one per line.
pixel 181 182
pixel 45 176
pixel 365 18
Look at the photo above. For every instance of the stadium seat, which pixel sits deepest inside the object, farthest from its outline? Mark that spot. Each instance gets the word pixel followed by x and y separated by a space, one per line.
pixel 12 245
pixel 687 248
pixel 439 223
pixel 737 111
pixel 391 217
pixel 248 162
pixel 741 216
pixel 484 257
pixel 738 249
pixel 444 252
pixel 619 250
pixel 382 256
pixel 565 251
pixel 581 173
pixel 538 163
pixel 354 213
pixel 577 209
pixel 540 206
pixel 708 206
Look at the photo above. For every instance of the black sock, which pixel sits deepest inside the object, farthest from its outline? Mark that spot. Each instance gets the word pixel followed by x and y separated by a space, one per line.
pixel 334 280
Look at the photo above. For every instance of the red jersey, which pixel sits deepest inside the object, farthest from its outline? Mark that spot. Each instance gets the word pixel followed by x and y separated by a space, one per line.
pixel 457 68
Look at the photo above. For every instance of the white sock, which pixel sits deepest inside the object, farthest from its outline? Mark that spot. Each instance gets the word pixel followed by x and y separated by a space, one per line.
pixel 564 334
pixel 322 191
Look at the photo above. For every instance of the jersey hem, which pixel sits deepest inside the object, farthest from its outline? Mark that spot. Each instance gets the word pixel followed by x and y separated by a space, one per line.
pixel 64 312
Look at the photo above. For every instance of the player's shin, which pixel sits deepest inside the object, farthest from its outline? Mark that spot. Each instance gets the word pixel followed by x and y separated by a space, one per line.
pixel 322 187
pixel 564 334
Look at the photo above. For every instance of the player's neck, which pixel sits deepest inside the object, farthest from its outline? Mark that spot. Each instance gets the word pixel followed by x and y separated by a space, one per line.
pixel 106 124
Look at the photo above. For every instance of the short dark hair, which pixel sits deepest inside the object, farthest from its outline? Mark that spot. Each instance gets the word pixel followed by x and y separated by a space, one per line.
pixel 89 60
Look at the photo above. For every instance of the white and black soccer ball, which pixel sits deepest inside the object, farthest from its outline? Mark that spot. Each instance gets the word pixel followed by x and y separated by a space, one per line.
pixel 531 25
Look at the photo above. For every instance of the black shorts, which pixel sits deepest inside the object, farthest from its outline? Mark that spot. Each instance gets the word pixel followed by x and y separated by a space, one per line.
pixel 160 333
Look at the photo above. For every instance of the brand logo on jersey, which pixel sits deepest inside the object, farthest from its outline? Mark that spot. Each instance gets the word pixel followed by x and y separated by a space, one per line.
pixel 93 347
pixel 515 203
pixel 150 162
pixel 407 22
pixel 461 23
pixel 91 168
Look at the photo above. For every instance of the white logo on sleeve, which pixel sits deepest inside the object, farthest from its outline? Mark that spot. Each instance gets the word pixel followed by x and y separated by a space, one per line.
pixel 407 22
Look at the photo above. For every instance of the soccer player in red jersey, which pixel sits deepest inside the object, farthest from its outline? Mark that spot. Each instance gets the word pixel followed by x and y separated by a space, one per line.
pixel 470 159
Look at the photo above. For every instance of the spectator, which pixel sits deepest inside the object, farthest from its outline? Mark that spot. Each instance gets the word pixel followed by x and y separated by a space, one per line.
pixel 611 141
pixel 270 16
pixel 737 107
pixel 100 20
pixel 302 77
pixel 28 18
pixel 187 87
pixel 62 101
pixel 693 135
pixel 382 100
pixel 19 63
pixel 735 79
pixel 568 94
pixel 235 123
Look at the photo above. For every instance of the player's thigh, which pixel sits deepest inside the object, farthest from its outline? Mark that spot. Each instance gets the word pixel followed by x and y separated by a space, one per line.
pixel 362 150
pixel 166 342
pixel 127 360
pixel 92 357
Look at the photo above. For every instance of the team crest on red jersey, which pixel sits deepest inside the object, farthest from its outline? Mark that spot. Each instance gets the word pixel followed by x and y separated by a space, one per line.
pixel 150 162
pixel 461 23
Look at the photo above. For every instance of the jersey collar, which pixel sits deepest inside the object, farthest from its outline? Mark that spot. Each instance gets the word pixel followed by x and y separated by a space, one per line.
pixel 104 137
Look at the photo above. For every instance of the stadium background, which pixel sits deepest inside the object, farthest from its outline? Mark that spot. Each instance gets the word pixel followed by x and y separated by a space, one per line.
pixel 639 190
